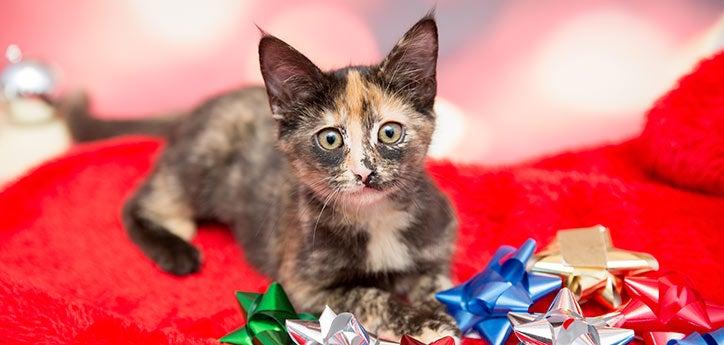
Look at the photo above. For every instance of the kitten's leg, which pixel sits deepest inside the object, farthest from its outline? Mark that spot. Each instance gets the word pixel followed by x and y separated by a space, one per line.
pixel 385 314
pixel 421 293
pixel 159 220
pixel 422 289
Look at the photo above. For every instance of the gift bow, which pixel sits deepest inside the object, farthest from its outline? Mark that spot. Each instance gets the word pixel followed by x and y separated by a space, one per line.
pixel 711 338
pixel 482 303
pixel 590 265
pixel 344 329
pixel 332 329
pixel 265 316
pixel 564 324
pixel 667 304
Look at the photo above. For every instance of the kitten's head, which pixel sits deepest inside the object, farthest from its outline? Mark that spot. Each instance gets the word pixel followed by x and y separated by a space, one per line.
pixel 357 133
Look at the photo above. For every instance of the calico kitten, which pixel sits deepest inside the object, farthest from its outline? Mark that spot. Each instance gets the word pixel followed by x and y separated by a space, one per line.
pixel 327 192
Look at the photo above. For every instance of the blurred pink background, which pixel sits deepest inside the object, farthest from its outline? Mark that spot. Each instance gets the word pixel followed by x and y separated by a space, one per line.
pixel 517 79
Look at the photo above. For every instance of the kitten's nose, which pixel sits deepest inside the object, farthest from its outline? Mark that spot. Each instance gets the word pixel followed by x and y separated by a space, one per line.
pixel 362 173
pixel 369 179
pixel 363 176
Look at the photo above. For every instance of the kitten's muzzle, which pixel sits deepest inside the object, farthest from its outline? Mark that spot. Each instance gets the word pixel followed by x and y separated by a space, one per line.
pixel 371 180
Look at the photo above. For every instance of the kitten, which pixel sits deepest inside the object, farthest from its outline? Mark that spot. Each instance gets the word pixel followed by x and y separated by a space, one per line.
pixel 327 192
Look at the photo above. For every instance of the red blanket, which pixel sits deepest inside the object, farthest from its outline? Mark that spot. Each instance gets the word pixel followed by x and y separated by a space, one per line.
pixel 68 273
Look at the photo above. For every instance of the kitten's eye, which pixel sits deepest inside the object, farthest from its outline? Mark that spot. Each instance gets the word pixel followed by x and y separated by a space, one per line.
pixel 329 139
pixel 390 133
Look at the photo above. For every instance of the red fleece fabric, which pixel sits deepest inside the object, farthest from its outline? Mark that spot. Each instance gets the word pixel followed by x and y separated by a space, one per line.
pixel 69 274
pixel 683 141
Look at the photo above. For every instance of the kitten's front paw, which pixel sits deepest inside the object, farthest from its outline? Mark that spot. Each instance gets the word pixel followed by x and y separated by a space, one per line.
pixel 178 257
pixel 429 335
pixel 437 328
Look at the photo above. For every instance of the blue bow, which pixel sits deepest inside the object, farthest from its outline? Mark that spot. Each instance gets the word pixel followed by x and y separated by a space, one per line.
pixel 482 303
pixel 711 338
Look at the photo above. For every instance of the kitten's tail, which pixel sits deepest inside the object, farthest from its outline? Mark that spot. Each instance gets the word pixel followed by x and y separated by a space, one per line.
pixel 85 127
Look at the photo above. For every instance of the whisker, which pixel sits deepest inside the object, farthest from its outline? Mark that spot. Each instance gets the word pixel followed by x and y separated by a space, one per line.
pixel 314 232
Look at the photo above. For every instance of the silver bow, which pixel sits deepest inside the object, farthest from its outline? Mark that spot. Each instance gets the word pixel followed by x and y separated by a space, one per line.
pixel 332 329
pixel 564 324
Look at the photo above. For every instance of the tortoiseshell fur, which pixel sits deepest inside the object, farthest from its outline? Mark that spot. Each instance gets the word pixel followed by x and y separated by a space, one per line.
pixel 377 247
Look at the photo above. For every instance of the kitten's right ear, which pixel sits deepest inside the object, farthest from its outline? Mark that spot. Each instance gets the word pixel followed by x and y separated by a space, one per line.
pixel 289 76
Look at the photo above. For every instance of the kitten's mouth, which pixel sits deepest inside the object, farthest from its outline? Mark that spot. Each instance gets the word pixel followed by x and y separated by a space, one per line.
pixel 366 190
pixel 370 190
pixel 365 195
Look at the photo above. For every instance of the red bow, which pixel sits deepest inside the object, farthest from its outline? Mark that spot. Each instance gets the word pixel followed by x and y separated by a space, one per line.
pixel 408 340
pixel 667 304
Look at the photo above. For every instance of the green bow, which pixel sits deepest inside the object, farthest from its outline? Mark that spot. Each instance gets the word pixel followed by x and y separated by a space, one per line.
pixel 265 318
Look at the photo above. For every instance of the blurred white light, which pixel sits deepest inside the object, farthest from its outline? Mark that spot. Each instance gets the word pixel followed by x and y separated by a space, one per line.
pixel 31 78
pixel 189 22
pixel 13 53
pixel 603 62
pixel 449 130
pixel 26 78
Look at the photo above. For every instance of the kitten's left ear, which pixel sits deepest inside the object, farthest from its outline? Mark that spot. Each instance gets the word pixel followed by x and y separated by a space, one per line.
pixel 288 75
pixel 410 66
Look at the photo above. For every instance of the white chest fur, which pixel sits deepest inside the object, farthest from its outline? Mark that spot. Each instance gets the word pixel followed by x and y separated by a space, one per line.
pixel 385 249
